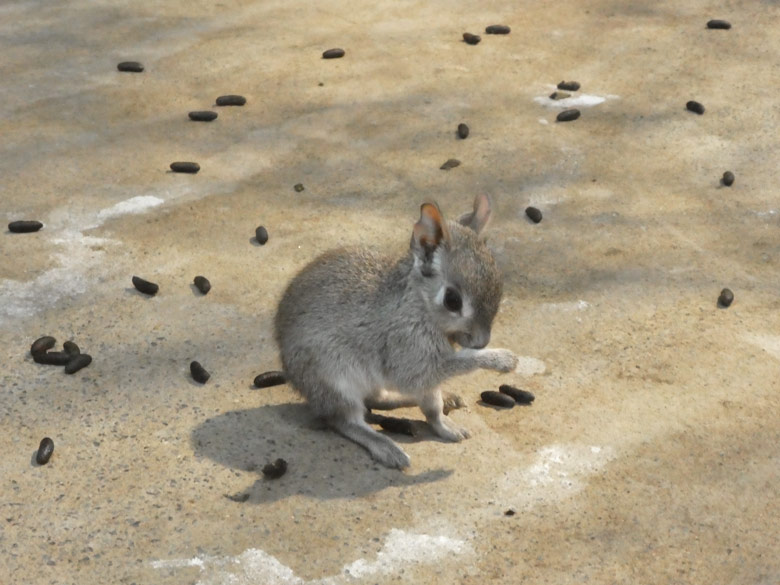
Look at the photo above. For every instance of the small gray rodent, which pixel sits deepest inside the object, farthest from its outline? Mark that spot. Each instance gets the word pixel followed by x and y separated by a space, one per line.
pixel 358 329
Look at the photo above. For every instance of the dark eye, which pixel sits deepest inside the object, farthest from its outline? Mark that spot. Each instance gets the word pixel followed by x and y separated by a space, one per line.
pixel 452 300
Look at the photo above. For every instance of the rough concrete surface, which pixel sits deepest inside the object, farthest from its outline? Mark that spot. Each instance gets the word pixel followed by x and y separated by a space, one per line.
pixel 651 452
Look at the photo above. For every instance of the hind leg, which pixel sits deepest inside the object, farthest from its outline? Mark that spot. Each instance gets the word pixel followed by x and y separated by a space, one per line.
pixel 381 447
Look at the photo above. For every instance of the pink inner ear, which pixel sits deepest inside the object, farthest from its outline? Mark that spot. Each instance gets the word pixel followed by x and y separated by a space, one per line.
pixel 430 230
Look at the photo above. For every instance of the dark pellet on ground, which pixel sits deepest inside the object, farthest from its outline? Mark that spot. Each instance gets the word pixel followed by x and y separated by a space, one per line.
pixel 569 85
pixel 728 178
pixel 450 164
pixel 144 286
pixel 71 348
pixel 519 396
pixel 559 95
pixel 463 131
pixel 497 399
pixel 400 426
pixel 509 512
pixel 231 100
pixel 298 188
pixel 130 66
pixel 498 29
pixel 719 24
pixel 276 469
pixel 185 167
pixel 695 107
pixel 471 39
pixel 533 214
pixel 199 373
pixel 568 115
pixel 202 284
pixel 240 498
pixel 203 116
pixel 78 362
pixel 333 54
pixel 261 235
pixel 42 344
pixel 726 298
pixel 24 226
pixel 52 358
pixel 268 379
pixel 45 451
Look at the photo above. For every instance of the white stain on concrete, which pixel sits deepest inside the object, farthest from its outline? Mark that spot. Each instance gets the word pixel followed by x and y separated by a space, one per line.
pixel 134 205
pixel 254 566
pixel 530 366
pixel 575 101
pixel 769 343
pixel 558 472
pixel 567 307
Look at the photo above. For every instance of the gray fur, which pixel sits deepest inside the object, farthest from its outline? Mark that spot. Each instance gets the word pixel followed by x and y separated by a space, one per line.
pixel 357 327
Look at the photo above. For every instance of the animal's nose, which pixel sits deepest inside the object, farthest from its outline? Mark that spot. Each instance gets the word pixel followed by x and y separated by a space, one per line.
pixel 479 339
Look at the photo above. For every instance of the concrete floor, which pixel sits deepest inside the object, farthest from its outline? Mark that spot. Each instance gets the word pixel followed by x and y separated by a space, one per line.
pixel 651 452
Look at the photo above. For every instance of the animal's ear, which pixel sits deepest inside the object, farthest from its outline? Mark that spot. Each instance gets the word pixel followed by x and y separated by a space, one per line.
pixel 480 216
pixel 430 230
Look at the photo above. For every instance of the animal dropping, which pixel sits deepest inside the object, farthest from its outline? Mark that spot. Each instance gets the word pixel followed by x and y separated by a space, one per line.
pixel 231 100
pixel 261 235
pixel 726 298
pixel 533 214
pixel 519 396
pixel 719 24
pixel 471 39
pixel 71 348
pixel 276 469
pixel 24 226
pixel 463 131
pixel 498 29
pixel 42 344
pixel 130 67
pixel 268 379
pixel 199 373
pixel 569 85
pixel 185 167
pixel 559 95
pixel 77 362
pixel 45 451
pixel 497 399
pixel 695 107
pixel 450 164
pixel 52 358
pixel 333 54
pixel 728 178
pixel 298 187
pixel 203 116
pixel 568 115
pixel 202 284
pixel 144 286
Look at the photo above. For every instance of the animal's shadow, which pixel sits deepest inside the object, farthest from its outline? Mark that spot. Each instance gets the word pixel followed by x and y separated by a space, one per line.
pixel 320 462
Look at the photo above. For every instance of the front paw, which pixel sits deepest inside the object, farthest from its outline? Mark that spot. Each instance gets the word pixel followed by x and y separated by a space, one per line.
pixel 503 360
pixel 449 430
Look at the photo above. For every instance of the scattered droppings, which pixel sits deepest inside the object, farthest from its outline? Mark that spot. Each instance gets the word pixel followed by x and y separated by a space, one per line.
pixel 276 469
pixel 203 116
pixel 498 29
pixel 497 399
pixel 144 286
pixel 240 498
pixel 268 379
pixel 185 167
pixel 518 395
pixel 24 226
pixel 261 235
pixel 400 426
pixel 450 164
pixel 559 95
pixel 726 298
pixel 569 85
pixel 42 344
pixel 45 451
pixel 299 187
pixel 71 348
pixel 463 131
pixel 728 178
pixel 695 107
pixel 510 512
pixel 471 39
pixel 231 100
pixel 719 24
pixel 130 66
pixel 333 54
pixel 202 284
pixel 52 358
pixel 533 214
pixel 77 362
pixel 568 115
pixel 199 373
